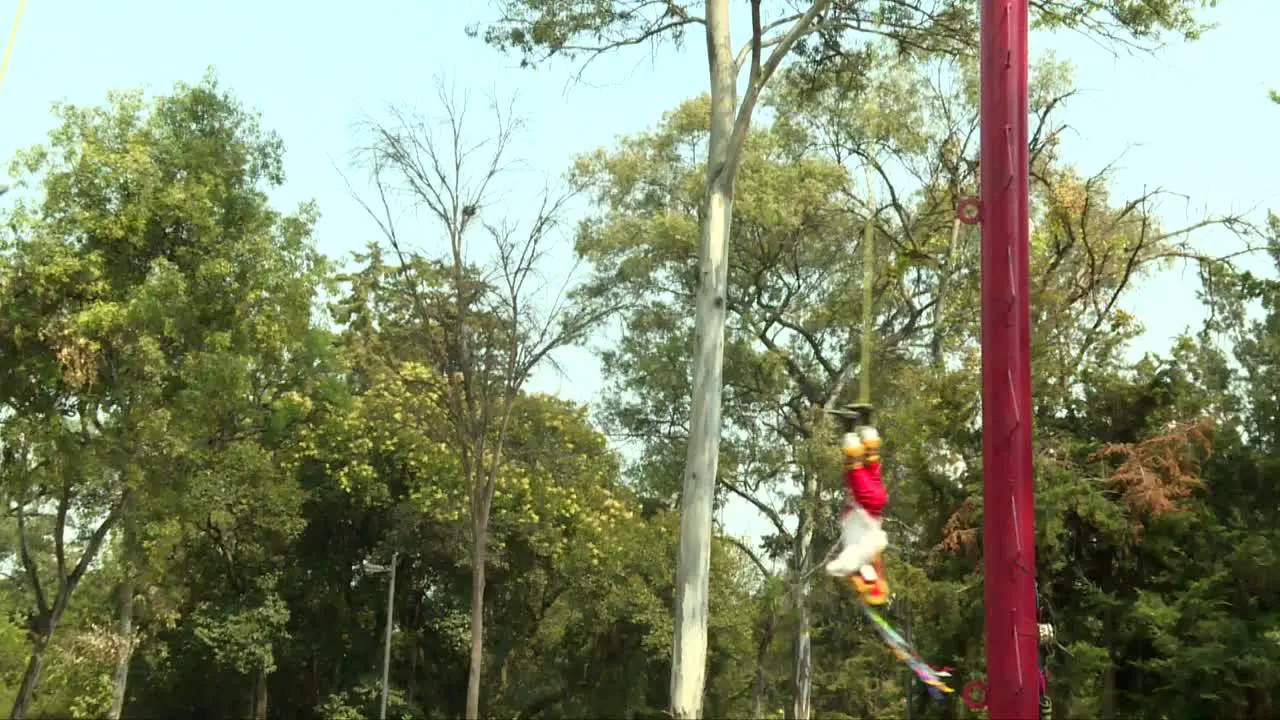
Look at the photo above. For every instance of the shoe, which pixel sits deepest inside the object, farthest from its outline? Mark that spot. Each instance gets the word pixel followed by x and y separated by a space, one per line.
pixel 870 583
pixel 872 593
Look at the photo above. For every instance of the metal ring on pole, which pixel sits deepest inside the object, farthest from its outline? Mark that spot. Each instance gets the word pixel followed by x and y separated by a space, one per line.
pixel 969 211
pixel 972 688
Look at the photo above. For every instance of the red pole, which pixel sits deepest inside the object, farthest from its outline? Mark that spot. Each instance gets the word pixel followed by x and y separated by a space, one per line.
pixel 1008 484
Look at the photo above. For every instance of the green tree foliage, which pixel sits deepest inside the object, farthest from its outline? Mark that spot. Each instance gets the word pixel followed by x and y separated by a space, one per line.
pixel 210 434
pixel 159 343
pixel 539 29
pixel 795 325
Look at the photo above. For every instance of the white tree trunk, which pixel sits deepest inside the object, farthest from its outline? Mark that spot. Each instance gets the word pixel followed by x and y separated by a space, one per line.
pixel 689 661
pixel 729 126
pixel 802 672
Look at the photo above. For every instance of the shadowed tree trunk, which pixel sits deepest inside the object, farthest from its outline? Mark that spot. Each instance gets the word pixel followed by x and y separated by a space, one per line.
pixel 124 611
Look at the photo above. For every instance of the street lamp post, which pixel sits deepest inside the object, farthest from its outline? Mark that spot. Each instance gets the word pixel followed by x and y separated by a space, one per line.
pixel 386 648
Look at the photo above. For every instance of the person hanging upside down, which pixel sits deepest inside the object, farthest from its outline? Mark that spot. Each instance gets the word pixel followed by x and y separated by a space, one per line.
pixel 862 538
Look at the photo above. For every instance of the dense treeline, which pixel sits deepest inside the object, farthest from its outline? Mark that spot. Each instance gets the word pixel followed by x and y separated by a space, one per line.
pixel 215 439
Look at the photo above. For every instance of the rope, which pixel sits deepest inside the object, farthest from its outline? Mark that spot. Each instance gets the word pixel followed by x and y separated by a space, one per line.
pixel 13 39
pixel 868 279
pixel 864 362
pixel 1044 614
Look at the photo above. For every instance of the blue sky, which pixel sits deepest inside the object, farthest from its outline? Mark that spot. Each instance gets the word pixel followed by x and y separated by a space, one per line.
pixel 1194 119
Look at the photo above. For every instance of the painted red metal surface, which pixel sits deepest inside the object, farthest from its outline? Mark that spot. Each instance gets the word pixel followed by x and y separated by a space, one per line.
pixel 1008 485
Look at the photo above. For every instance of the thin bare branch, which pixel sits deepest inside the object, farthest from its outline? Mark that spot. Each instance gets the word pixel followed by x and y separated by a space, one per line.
pixel 771 514
pixel 742 124
pixel 29 563
pixel 752 555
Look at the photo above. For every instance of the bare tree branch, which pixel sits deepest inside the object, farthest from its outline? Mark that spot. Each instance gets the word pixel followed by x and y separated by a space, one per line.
pixel 752 555
pixel 761 77
pixel 773 515
pixel 29 563
pixel 483 326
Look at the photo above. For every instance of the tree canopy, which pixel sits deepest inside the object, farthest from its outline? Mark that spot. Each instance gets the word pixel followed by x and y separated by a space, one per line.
pixel 216 441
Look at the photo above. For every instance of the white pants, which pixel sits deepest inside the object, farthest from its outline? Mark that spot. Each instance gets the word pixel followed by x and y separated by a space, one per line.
pixel 861 539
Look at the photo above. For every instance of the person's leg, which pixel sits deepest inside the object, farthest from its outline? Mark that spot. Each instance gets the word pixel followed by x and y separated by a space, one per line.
pixel 855 529
pixel 855 524
pixel 868 487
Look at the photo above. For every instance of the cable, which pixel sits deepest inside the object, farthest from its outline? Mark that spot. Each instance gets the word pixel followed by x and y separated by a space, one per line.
pixel 868 279
pixel 13 39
